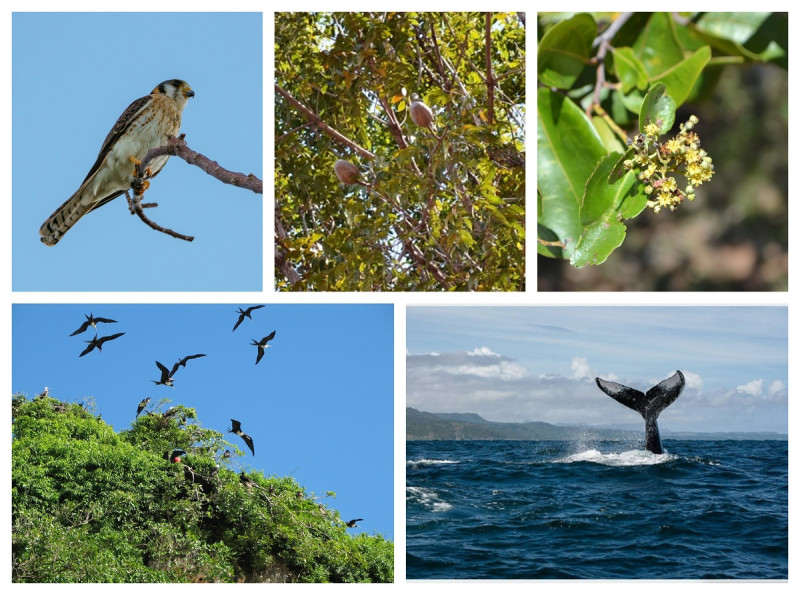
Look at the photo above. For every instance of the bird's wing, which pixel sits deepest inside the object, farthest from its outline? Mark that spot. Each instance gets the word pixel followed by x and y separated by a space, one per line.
pixel 87 350
pixel 111 337
pixel 249 441
pixel 251 308
pixel 238 322
pixel 174 369
pixel 260 354
pixel 163 368
pixel 236 426
pixel 269 337
pixel 103 320
pixel 188 357
pixel 82 328
pixel 120 127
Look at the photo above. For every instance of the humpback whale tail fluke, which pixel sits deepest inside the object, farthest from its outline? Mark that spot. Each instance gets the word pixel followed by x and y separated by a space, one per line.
pixel 649 404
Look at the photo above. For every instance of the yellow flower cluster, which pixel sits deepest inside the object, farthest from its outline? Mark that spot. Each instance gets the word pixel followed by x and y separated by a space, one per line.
pixel 655 161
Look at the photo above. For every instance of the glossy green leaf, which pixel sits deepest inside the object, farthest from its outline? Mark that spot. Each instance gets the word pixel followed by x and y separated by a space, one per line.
pixel 608 202
pixel 610 139
pixel 657 106
pixel 619 168
pixel 632 101
pixel 657 48
pixel 598 241
pixel 680 78
pixel 629 69
pixel 564 51
pixel 568 148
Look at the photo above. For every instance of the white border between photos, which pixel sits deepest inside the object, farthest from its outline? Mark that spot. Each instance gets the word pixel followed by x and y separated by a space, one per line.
pixel 400 300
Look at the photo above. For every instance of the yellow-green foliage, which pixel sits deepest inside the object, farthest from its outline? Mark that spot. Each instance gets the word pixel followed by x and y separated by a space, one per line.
pixel 92 505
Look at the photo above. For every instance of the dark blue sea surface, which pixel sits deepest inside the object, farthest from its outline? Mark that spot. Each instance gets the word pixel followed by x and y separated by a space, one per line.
pixel 548 510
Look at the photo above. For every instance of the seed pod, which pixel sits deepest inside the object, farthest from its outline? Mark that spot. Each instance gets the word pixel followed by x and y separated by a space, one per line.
pixel 346 171
pixel 421 114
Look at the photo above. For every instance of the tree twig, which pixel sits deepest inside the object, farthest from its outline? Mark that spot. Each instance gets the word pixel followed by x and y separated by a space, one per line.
pixel 319 123
pixel 490 82
pixel 136 207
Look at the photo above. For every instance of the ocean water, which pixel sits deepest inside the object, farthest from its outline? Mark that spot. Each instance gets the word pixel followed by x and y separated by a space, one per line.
pixel 549 510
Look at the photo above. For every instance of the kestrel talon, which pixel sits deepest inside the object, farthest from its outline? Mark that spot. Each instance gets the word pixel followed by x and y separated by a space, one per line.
pixel 147 123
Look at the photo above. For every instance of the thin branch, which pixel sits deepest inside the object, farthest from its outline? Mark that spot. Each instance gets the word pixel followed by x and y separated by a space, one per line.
pixel 317 121
pixel 177 146
pixel 603 43
pixel 136 207
pixel 490 82
pixel 280 254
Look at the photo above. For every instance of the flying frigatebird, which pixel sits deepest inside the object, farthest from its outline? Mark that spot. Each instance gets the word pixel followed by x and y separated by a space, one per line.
pixel 182 361
pixel 98 343
pixel 243 313
pixel 236 428
pixel 91 321
pixel 166 375
pixel 262 345
pixel 352 522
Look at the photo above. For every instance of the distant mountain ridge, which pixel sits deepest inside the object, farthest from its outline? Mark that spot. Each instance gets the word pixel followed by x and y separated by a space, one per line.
pixel 422 425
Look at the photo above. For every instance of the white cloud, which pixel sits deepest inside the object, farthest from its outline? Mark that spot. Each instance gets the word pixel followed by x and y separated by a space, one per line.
pixel 754 387
pixel 581 369
pixel 694 381
pixel 776 387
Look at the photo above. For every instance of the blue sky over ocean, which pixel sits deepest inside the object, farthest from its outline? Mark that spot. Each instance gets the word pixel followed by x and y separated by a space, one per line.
pixel 538 363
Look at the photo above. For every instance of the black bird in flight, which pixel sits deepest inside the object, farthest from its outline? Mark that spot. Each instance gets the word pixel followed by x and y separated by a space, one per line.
pixel 236 428
pixel 166 375
pixel 90 321
pixel 243 313
pixel 352 522
pixel 142 405
pixel 183 360
pixel 262 345
pixel 98 343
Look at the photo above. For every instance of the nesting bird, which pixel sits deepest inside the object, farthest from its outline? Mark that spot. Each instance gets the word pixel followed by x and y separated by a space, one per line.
pixel 142 404
pixel 98 343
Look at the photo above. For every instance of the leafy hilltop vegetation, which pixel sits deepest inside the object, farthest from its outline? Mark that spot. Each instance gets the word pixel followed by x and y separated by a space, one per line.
pixel 93 505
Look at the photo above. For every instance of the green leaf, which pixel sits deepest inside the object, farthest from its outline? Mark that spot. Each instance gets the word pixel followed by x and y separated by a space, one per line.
pixel 607 202
pixel 619 169
pixel 598 241
pixel 680 79
pixel 564 51
pixel 657 47
pixel 657 105
pixel 610 140
pixel 629 69
pixel 568 150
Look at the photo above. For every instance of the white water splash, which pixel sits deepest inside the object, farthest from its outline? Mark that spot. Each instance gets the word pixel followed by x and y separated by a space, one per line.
pixel 620 459
pixel 427 498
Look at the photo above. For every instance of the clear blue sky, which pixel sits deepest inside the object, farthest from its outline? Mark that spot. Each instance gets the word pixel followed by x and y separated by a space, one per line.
pixel 73 75
pixel 319 405
pixel 539 363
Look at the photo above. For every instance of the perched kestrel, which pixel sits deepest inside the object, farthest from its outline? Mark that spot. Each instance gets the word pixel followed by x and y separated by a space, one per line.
pixel 147 123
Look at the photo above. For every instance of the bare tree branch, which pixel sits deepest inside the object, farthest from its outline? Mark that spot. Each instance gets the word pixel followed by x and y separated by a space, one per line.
pixel 177 146
pixel 136 207
pixel 490 82
pixel 317 121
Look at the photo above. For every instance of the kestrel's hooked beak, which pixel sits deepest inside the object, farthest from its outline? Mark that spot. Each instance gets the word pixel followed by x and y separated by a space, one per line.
pixel 188 93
